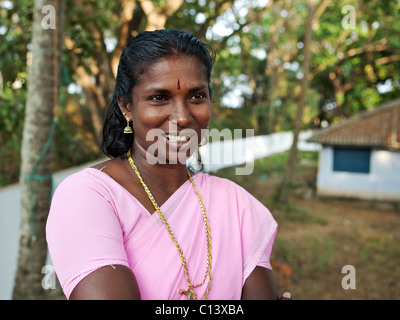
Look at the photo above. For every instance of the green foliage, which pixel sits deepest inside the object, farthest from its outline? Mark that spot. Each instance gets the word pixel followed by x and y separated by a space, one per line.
pixel 349 61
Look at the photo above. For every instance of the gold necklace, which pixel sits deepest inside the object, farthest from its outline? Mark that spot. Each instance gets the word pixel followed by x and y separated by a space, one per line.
pixel 189 292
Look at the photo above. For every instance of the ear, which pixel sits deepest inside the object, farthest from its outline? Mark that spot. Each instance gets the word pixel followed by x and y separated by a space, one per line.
pixel 125 109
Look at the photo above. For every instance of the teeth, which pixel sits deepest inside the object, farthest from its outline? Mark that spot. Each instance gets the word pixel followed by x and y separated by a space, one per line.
pixel 174 138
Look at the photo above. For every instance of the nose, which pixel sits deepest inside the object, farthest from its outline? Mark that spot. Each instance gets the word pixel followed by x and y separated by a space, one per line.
pixel 181 114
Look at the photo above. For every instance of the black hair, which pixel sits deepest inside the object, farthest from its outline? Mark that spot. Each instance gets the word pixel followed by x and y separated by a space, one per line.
pixel 143 50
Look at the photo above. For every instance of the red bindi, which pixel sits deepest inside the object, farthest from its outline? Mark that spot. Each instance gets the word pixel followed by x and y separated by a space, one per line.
pixel 178 86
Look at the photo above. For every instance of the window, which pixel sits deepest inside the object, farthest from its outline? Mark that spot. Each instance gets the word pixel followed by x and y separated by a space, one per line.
pixel 351 160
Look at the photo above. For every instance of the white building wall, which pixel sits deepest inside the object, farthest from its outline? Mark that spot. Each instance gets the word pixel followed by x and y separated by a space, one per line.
pixel 382 183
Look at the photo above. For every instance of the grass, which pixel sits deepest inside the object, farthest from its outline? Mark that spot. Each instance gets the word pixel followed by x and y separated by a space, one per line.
pixel 318 236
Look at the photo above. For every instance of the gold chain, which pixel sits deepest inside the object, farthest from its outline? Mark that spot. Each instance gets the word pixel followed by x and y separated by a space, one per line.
pixel 190 292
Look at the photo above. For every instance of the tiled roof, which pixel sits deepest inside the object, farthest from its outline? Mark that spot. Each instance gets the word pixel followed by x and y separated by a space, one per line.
pixel 379 128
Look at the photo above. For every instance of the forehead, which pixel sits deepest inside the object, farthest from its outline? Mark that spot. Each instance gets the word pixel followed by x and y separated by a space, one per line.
pixel 170 69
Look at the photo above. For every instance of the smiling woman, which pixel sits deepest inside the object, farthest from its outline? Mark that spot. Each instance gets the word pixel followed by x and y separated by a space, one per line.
pixel 130 228
pixel 177 113
pixel 141 53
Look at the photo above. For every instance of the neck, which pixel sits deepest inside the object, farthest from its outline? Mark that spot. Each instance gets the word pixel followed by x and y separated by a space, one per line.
pixel 166 176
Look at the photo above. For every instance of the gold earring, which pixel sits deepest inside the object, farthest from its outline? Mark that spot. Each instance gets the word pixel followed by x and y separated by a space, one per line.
pixel 127 129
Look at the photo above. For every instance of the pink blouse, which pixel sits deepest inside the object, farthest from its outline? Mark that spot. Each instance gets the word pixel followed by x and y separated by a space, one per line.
pixel 94 222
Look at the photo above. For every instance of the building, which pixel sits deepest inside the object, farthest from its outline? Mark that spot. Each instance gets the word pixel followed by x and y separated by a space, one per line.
pixel 360 156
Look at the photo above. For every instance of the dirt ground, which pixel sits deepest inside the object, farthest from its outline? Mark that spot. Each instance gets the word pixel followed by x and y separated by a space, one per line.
pixel 317 237
pixel 339 233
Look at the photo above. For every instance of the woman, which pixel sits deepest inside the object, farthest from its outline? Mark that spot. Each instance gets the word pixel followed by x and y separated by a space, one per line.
pixel 131 228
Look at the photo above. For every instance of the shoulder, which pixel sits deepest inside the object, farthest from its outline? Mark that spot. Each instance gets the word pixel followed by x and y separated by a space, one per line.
pixel 84 177
pixel 216 183
pixel 84 184
pixel 105 165
pixel 222 190
pixel 227 191
pixel 98 175
pixel 215 180
pixel 81 196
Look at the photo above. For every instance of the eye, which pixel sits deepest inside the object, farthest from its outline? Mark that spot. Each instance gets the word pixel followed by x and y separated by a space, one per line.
pixel 158 97
pixel 198 96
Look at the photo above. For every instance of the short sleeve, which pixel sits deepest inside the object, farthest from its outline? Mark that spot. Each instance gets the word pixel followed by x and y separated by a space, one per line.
pixel 258 231
pixel 83 231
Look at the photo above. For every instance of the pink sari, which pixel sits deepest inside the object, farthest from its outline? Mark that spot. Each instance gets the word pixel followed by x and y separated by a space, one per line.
pixel 94 222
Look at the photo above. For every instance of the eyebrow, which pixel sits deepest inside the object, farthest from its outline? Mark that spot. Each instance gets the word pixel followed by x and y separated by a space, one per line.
pixel 198 88
pixel 166 91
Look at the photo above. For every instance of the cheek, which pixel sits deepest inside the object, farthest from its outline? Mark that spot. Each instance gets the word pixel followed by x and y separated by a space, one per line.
pixel 148 118
pixel 203 116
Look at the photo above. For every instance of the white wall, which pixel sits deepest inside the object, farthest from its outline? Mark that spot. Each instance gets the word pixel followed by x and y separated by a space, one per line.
pixel 235 152
pixel 382 183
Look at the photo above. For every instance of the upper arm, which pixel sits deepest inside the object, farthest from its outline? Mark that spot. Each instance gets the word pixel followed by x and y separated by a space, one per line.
pixel 84 233
pixel 114 282
pixel 260 285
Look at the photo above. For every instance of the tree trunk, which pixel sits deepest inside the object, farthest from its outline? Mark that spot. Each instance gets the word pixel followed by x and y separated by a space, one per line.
pixel 157 16
pixel 36 156
pixel 95 100
pixel 284 193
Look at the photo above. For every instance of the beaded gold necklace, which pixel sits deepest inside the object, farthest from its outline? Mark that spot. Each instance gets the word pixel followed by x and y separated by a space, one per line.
pixel 190 291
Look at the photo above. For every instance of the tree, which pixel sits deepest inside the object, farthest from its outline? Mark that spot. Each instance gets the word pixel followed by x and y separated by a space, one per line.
pixel 36 166
pixel 157 16
pixel 284 192
pixel 351 61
